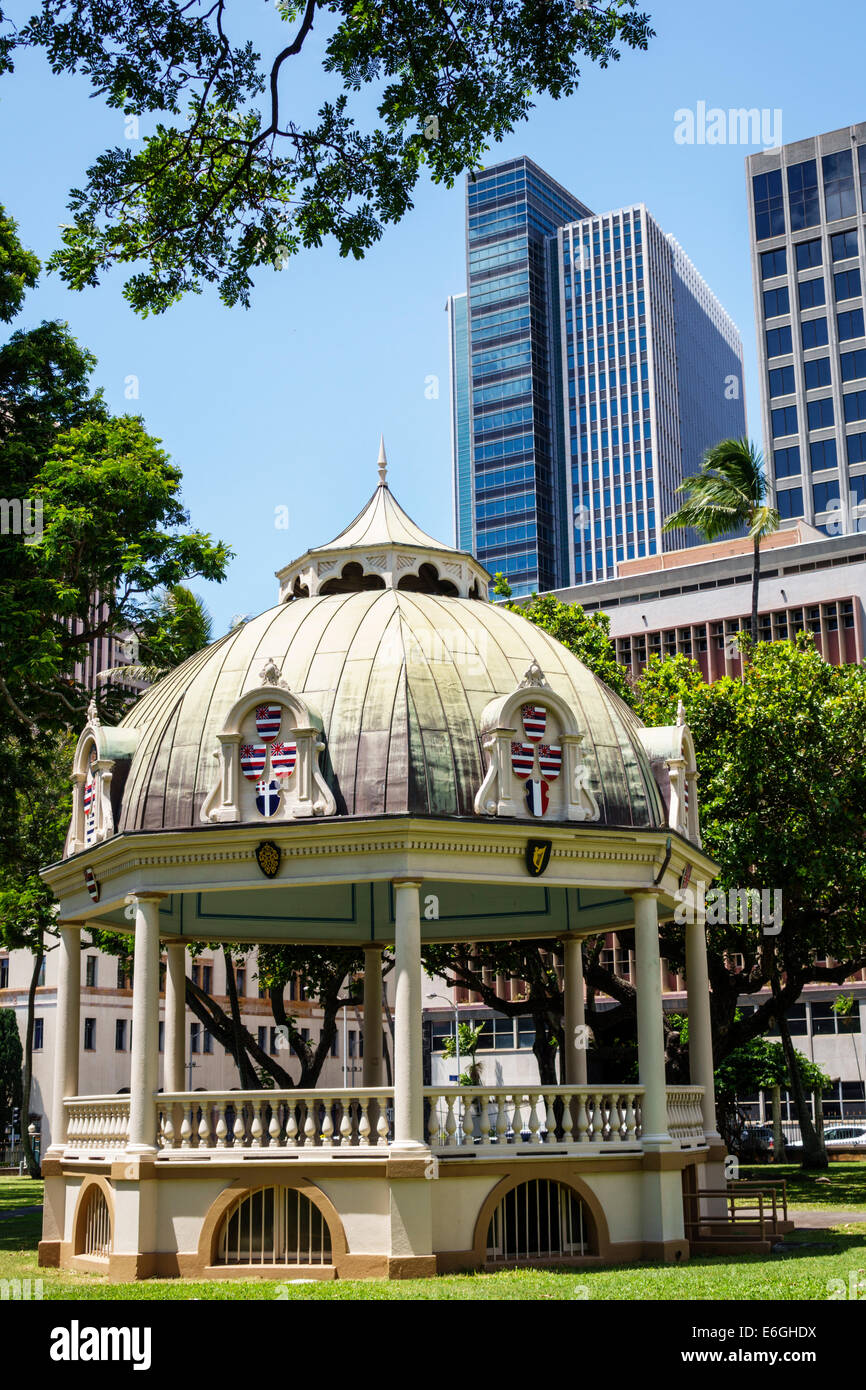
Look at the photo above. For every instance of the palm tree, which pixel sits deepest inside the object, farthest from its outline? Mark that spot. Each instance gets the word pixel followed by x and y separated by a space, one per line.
pixel 728 492
pixel 177 626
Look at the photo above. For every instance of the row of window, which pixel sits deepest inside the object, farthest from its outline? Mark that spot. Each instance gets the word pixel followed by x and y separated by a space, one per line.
pixel 811 293
pixel 820 414
pixel 809 254
pixel 825 497
pixel 822 454
pixel 814 332
pixel 804 204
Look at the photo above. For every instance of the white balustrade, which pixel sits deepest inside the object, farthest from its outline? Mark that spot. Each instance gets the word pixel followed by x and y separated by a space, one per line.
pixel 265 1120
pixel 97 1124
pixel 542 1118
pixel 685 1115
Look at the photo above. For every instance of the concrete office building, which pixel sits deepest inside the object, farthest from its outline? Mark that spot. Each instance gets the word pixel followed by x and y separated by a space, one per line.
pixel 807 203
pixel 591 365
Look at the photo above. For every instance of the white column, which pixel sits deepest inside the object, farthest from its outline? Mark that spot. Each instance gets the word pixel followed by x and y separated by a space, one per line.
pixel 144 1077
pixel 700 1023
pixel 408 1066
pixel 575 1056
pixel 650 1035
pixel 175 1016
pixel 66 1041
pixel 372 1070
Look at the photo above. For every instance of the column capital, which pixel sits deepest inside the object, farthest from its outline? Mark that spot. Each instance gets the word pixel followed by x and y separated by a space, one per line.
pixel 147 896
pixel 407 882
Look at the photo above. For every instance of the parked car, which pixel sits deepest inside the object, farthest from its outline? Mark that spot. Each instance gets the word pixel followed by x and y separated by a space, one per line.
pixel 756 1142
pixel 841 1136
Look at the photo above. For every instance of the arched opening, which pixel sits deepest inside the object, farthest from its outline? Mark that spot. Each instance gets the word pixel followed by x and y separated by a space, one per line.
pixel 94 1225
pixel 274 1226
pixel 300 590
pixel 427 581
pixel 539 1220
pixel 352 580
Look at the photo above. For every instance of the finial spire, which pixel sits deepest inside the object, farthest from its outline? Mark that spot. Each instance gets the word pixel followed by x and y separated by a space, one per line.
pixel 382 462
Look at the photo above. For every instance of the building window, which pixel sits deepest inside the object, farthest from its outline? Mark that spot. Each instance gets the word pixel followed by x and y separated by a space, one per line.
pixel 773 263
pixel 241 981
pixel 823 494
pixel 846 284
pixel 785 420
pixel 161 1044
pixel 776 302
pixel 814 333
pixel 817 372
pixel 809 255
pixel 90 969
pixel 123 977
pixel 803 199
pixel 194 1037
pixel 853 364
pixel 811 293
pixel 38 1034
pixel 786 462
pixel 850 324
pixel 820 413
pixel 790 503
pixel 782 381
pixel 839 185
pixel 202 975
pixel 843 244
pixel 855 405
pixel 856 450
pixel 120 1035
pixel 822 454
pixel 779 340
pixel 769 206
pixel 4 972
pixel 41 979
pixel 263 1038
pixel 334 1044
pixel 90 1035
pixel 206 1041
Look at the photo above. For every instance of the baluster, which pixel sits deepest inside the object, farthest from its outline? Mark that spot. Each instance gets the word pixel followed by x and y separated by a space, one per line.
pixel 534 1121
pixel 567 1119
pixel 597 1119
pixel 346 1126
pixel 167 1136
pixel 630 1118
pixel 468 1125
pixel 382 1128
pixel 484 1118
pixel 275 1127
pixel 222 1128
pixel 239 1126
pixel 186 1129
pixel 327 1127
pixel 501 1118
pixel 639 1116
pixel 256 1129
pixel 204 1126
pixel 550 1120
pixel 363 1121
pixel 450 1121
pixel 433 1126
pixel 310 1124
pixel 517 1119
pixel 292 1137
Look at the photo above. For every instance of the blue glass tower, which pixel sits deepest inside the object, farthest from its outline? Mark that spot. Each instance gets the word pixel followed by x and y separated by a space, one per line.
pixel 461 440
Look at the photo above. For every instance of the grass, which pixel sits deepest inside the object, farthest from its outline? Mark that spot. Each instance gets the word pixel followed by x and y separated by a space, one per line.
pixel 802 1271
pixel 846 1190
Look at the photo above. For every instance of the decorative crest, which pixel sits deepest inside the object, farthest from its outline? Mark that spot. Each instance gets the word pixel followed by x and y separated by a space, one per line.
pixel 270 674
pixel 533 676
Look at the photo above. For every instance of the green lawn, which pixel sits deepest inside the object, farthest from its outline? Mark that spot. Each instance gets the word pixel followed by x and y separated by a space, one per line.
pixel 846 1190
pixel 810 1260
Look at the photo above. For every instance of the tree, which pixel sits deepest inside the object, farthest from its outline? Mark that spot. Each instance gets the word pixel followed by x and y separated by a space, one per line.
pixel 221 186
pixel 587 635
pixel 178 626
pixel 10 1074
pixel 469 1039
pixel 730 491
pixel 756 1066
pixel 109 537
pixel 19 268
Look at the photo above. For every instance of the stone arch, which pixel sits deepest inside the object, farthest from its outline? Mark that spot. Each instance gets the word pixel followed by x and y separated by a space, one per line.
pixel 219 1209
pixel 352 580
pixel 92 1183
pixel 428 581
pixel 566 1178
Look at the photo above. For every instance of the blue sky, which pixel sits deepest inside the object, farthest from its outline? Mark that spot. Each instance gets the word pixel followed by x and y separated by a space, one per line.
pixel 281 405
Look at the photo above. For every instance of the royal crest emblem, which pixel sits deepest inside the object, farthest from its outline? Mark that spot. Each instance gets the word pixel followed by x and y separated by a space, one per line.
pixel 538 854
pixel 268 719
pixel 537 796
pixel 550 760
pixel 283 759
pixel 253 759
pixel 522 759
pixel 534 721
pixel 268 856
pixel 267 798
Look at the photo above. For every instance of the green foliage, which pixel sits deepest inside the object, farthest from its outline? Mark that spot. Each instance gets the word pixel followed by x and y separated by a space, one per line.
pixel 501 586
pixel 10 1070
pixel 237 174
pixel 585 634
pixel 469 1038
pixel 19 268
pixel 729 491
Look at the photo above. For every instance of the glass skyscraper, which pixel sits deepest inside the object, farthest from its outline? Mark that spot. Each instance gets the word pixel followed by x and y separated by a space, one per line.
pixel 596 368
pixel 807 215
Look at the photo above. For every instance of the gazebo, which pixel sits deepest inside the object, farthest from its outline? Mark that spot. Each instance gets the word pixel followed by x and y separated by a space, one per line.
pixel 383 759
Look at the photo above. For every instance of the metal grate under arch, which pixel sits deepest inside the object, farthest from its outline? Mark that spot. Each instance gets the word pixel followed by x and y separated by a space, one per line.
pixel 96 1226
pixel 274 1226
pixel 539 1220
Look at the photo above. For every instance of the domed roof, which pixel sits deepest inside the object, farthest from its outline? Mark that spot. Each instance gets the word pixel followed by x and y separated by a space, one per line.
pixel 390 687
pixel 401 681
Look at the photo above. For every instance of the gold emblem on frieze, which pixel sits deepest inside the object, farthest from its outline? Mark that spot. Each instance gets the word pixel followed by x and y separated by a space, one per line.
pixel 268 857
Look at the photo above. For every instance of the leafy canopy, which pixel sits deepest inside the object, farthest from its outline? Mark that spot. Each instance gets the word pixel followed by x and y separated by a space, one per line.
pixel 237 173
